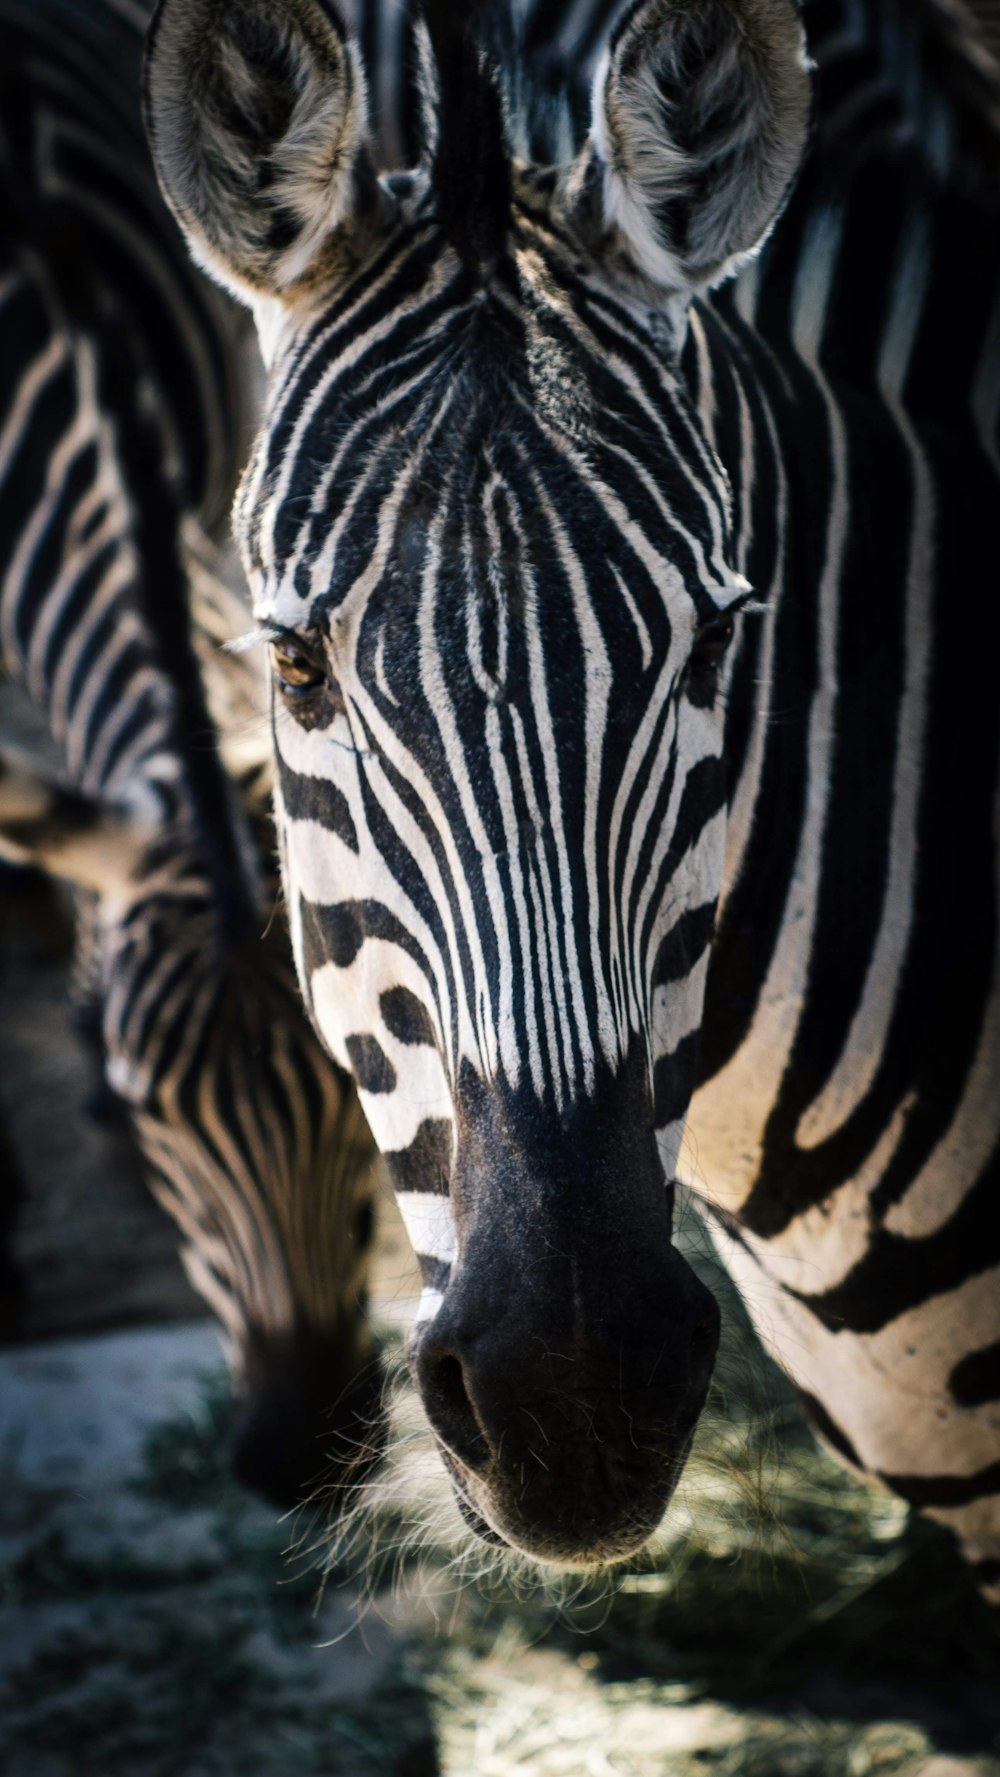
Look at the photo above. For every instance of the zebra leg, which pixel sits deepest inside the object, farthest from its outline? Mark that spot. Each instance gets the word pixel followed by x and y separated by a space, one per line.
pixel 897 1403
pixel 100 1105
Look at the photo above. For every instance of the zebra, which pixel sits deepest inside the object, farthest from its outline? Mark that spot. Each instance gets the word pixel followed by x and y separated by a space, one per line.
pixel 630 437
pixel 119 420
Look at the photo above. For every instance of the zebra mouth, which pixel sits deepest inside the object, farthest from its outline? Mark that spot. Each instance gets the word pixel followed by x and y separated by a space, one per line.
pixel 604 1551
pixel 475 1521
pixel 471 1513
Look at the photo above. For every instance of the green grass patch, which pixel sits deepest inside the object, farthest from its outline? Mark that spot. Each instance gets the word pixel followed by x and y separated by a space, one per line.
pixel 186 1459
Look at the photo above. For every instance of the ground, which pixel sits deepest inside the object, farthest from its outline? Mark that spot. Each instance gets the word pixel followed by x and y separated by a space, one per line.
pixel 157 1622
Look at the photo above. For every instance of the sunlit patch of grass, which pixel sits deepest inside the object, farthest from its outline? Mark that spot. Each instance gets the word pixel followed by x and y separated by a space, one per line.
pixel 536 1711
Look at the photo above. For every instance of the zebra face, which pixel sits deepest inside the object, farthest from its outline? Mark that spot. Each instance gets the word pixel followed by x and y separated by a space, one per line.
pixel 489 547
pixel 501 809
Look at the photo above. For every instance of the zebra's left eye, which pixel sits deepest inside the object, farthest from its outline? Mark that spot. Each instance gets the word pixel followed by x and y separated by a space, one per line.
pixel 298 673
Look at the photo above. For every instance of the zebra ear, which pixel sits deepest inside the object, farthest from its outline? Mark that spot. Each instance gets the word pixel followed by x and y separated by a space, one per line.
pixel 700 114
pixel 255 113
pixel 64 832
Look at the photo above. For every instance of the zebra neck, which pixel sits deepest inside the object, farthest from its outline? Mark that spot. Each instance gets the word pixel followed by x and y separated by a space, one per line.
pixel 71 628
pixel 855 373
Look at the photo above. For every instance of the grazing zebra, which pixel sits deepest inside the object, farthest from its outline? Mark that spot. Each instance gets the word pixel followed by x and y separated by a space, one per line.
pixel 117 428
pixel 635 711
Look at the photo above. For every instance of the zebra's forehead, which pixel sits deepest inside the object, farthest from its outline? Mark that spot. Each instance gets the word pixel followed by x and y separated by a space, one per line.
pixel 492 405
pixel 494 540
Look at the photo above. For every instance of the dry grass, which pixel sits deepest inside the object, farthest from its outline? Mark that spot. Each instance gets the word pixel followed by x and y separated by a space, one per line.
pixel 787 1621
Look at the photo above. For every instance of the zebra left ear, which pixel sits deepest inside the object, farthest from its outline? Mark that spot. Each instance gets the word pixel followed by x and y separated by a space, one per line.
pixel 700 113
pixel 255 112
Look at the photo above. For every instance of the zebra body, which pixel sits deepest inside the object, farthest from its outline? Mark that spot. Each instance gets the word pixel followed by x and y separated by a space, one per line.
pixel 564 875
pixel 847 1130
pixel 118 424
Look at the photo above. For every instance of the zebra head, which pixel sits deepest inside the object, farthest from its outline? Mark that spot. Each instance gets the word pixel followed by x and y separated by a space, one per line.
pixel 255 1144
pixel 490 548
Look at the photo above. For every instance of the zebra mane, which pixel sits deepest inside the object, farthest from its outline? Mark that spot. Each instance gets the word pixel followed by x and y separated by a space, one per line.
pixel 161 589
pixel 163 597
pixel 470 157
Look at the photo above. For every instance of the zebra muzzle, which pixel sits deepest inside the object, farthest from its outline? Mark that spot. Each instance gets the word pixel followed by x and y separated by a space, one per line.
pixel 565 1433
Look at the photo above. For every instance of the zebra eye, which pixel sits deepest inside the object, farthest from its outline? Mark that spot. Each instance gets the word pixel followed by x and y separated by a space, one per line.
pixel 298 674
pixel 699 682
pixel 712 641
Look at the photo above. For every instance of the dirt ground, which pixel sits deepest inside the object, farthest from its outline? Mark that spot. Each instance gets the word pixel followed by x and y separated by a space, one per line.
pixel 157 1622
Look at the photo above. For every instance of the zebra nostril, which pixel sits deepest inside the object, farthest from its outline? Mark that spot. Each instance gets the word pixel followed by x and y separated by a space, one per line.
pixel 451 1411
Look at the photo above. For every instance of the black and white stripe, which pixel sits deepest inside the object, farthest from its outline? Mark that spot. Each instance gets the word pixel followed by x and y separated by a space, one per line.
pixel 517 474
pixel 849 1120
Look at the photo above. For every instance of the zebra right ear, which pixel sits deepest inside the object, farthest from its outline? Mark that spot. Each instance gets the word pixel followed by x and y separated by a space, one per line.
pixel 255 112
pixel 700 113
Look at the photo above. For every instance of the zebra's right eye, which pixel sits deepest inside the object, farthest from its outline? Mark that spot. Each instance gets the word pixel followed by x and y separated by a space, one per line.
pixel 712 642
pixel 298 673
